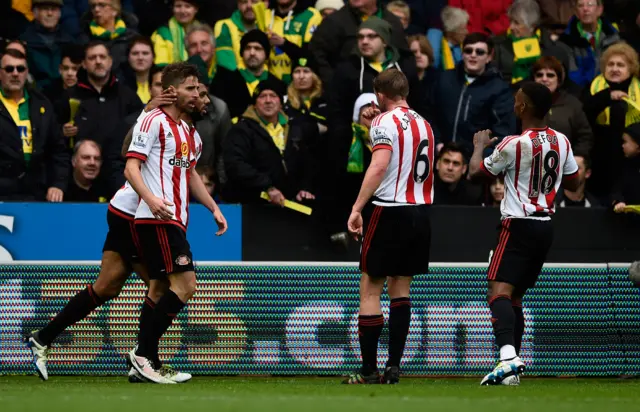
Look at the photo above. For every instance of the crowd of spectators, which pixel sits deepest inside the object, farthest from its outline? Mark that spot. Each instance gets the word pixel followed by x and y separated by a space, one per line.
pixel 288 80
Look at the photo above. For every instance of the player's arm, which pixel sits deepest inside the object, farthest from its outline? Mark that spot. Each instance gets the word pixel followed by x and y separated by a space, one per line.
pixel 478 167
pixel 570 176
pixel 200 192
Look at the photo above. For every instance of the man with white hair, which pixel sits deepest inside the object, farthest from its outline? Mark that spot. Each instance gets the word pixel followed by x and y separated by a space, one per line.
pixel 446 43
pixel 86 163
pixel 200 42
pixel 525 43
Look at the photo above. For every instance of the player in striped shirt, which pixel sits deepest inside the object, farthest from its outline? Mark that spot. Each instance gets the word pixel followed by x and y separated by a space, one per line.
pixel 160 167
pixel 392 213
pixel 535 164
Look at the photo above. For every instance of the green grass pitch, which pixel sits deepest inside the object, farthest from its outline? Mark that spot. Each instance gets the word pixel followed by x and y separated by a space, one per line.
pixel 96 394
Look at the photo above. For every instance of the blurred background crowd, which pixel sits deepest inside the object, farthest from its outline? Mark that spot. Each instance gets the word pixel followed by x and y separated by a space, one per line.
pixel 288 80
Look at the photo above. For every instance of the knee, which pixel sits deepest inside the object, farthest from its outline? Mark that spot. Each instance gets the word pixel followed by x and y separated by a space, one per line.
pixel 107 291
pixel 499 289
pixel 185 286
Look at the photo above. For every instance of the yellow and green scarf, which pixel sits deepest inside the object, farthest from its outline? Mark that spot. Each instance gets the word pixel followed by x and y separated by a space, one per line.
pixel 359 141
pixel 278 132
pixel 633 103
pixel 448 63
pixel 253 80
pixel 101 33
pixel 526 51
pixel 177 38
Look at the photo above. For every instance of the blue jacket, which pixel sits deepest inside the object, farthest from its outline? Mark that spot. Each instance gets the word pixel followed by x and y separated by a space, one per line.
pixel 461 110
pixel 586 59
pixel 44 52
pixel 435 39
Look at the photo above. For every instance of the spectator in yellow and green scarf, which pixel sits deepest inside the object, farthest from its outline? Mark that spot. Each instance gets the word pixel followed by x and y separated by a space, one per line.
pixel 169 41
pixel 110 26
pixel 447 43
pixel 524 43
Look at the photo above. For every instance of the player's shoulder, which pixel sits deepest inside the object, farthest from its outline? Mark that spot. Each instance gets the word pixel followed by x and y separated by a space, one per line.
pixel 150 119
pixel 509 142
pixel 561 137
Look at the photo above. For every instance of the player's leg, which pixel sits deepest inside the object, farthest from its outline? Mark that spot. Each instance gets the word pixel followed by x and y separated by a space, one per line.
pixel 113 273
pixel 370 323
pixel 507 270
pixel 398 289
pixel 516 304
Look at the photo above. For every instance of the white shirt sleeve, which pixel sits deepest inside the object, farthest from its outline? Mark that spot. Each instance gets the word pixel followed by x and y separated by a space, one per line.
pixel 145 134
pixel 500 159
pixel 382 137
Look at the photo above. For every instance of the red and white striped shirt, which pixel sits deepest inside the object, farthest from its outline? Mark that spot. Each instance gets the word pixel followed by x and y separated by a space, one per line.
pixel 534 164
pixel 169 151
pixel 409 177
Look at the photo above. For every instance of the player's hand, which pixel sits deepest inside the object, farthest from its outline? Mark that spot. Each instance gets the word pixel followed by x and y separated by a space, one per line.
pixel 221 222
pixel 439 147
pixel 276 197
pixel 483 138
pixel 54 195
pixel 160 208
pixel 618 95
pixel 168 96
pixel 69 130
pixel 354 225
pixel 369 114
pixel 275 39
pixel 304 195
pixel 619 207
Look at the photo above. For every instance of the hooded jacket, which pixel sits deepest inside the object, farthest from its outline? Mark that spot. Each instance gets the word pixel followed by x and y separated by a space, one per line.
pixel 335 39
pixel 352 78
pixel 462 108
pixel 253 163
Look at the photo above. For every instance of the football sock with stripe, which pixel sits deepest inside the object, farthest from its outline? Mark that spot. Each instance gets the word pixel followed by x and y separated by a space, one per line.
pixel 503 320
pixel 399 320
pixel 78 308
pixel 369 330
pixel 164 313
pixel 146 330
pixel 518 330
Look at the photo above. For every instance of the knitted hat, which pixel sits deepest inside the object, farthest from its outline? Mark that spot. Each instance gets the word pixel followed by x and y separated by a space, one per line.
pixel 381 27
pixel 305 61
pixel 634 132
pixel 329 4
pixel 36 3
pixel 270 84
pixel 363 100
pixel 255 36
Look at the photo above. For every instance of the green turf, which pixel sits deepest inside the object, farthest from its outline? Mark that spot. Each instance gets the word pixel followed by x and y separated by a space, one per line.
pixel 95 394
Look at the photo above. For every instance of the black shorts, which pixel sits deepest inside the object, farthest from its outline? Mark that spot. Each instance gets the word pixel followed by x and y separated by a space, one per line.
pixel 396 241
pixel 165 249
pixel 521 251
pixel 122 238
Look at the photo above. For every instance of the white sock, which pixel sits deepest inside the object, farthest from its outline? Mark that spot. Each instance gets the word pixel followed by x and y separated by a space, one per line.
pixel 507 352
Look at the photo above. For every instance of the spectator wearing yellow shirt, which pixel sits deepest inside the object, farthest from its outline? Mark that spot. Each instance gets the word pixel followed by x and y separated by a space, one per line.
pixel 169 41
pixel 228 33
pixel 34 164
pixel 290 26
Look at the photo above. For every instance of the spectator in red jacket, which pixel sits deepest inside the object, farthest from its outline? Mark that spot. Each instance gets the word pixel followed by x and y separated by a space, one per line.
pixel 486 16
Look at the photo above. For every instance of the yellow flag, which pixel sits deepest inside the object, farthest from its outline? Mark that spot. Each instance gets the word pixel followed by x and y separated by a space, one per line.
pixel 526 48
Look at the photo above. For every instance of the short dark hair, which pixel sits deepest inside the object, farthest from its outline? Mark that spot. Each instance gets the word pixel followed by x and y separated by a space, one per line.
pixel 175 74
pixel 74 52
pixel 391 83
pixel 95 43
pixel 141 40
pixel 539 96
pixel 453 147
pixel 16 54
pixel 478 38
pixel 586 158
pixel 155 69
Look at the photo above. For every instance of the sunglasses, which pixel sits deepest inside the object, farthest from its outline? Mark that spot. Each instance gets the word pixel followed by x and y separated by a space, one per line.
pixel 540 75
pixel 470 50
pixel 11 69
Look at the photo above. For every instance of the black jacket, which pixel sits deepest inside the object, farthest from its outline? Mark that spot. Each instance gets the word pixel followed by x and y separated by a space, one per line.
pixel 104 117
pixel 351 79
pixel 253 163
pixel 335 39
pixel 44 52
pixel 231 87
pixel 460 110
pixel 464 193
pixel 213 128
pixel 627 187
pixel 50 163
